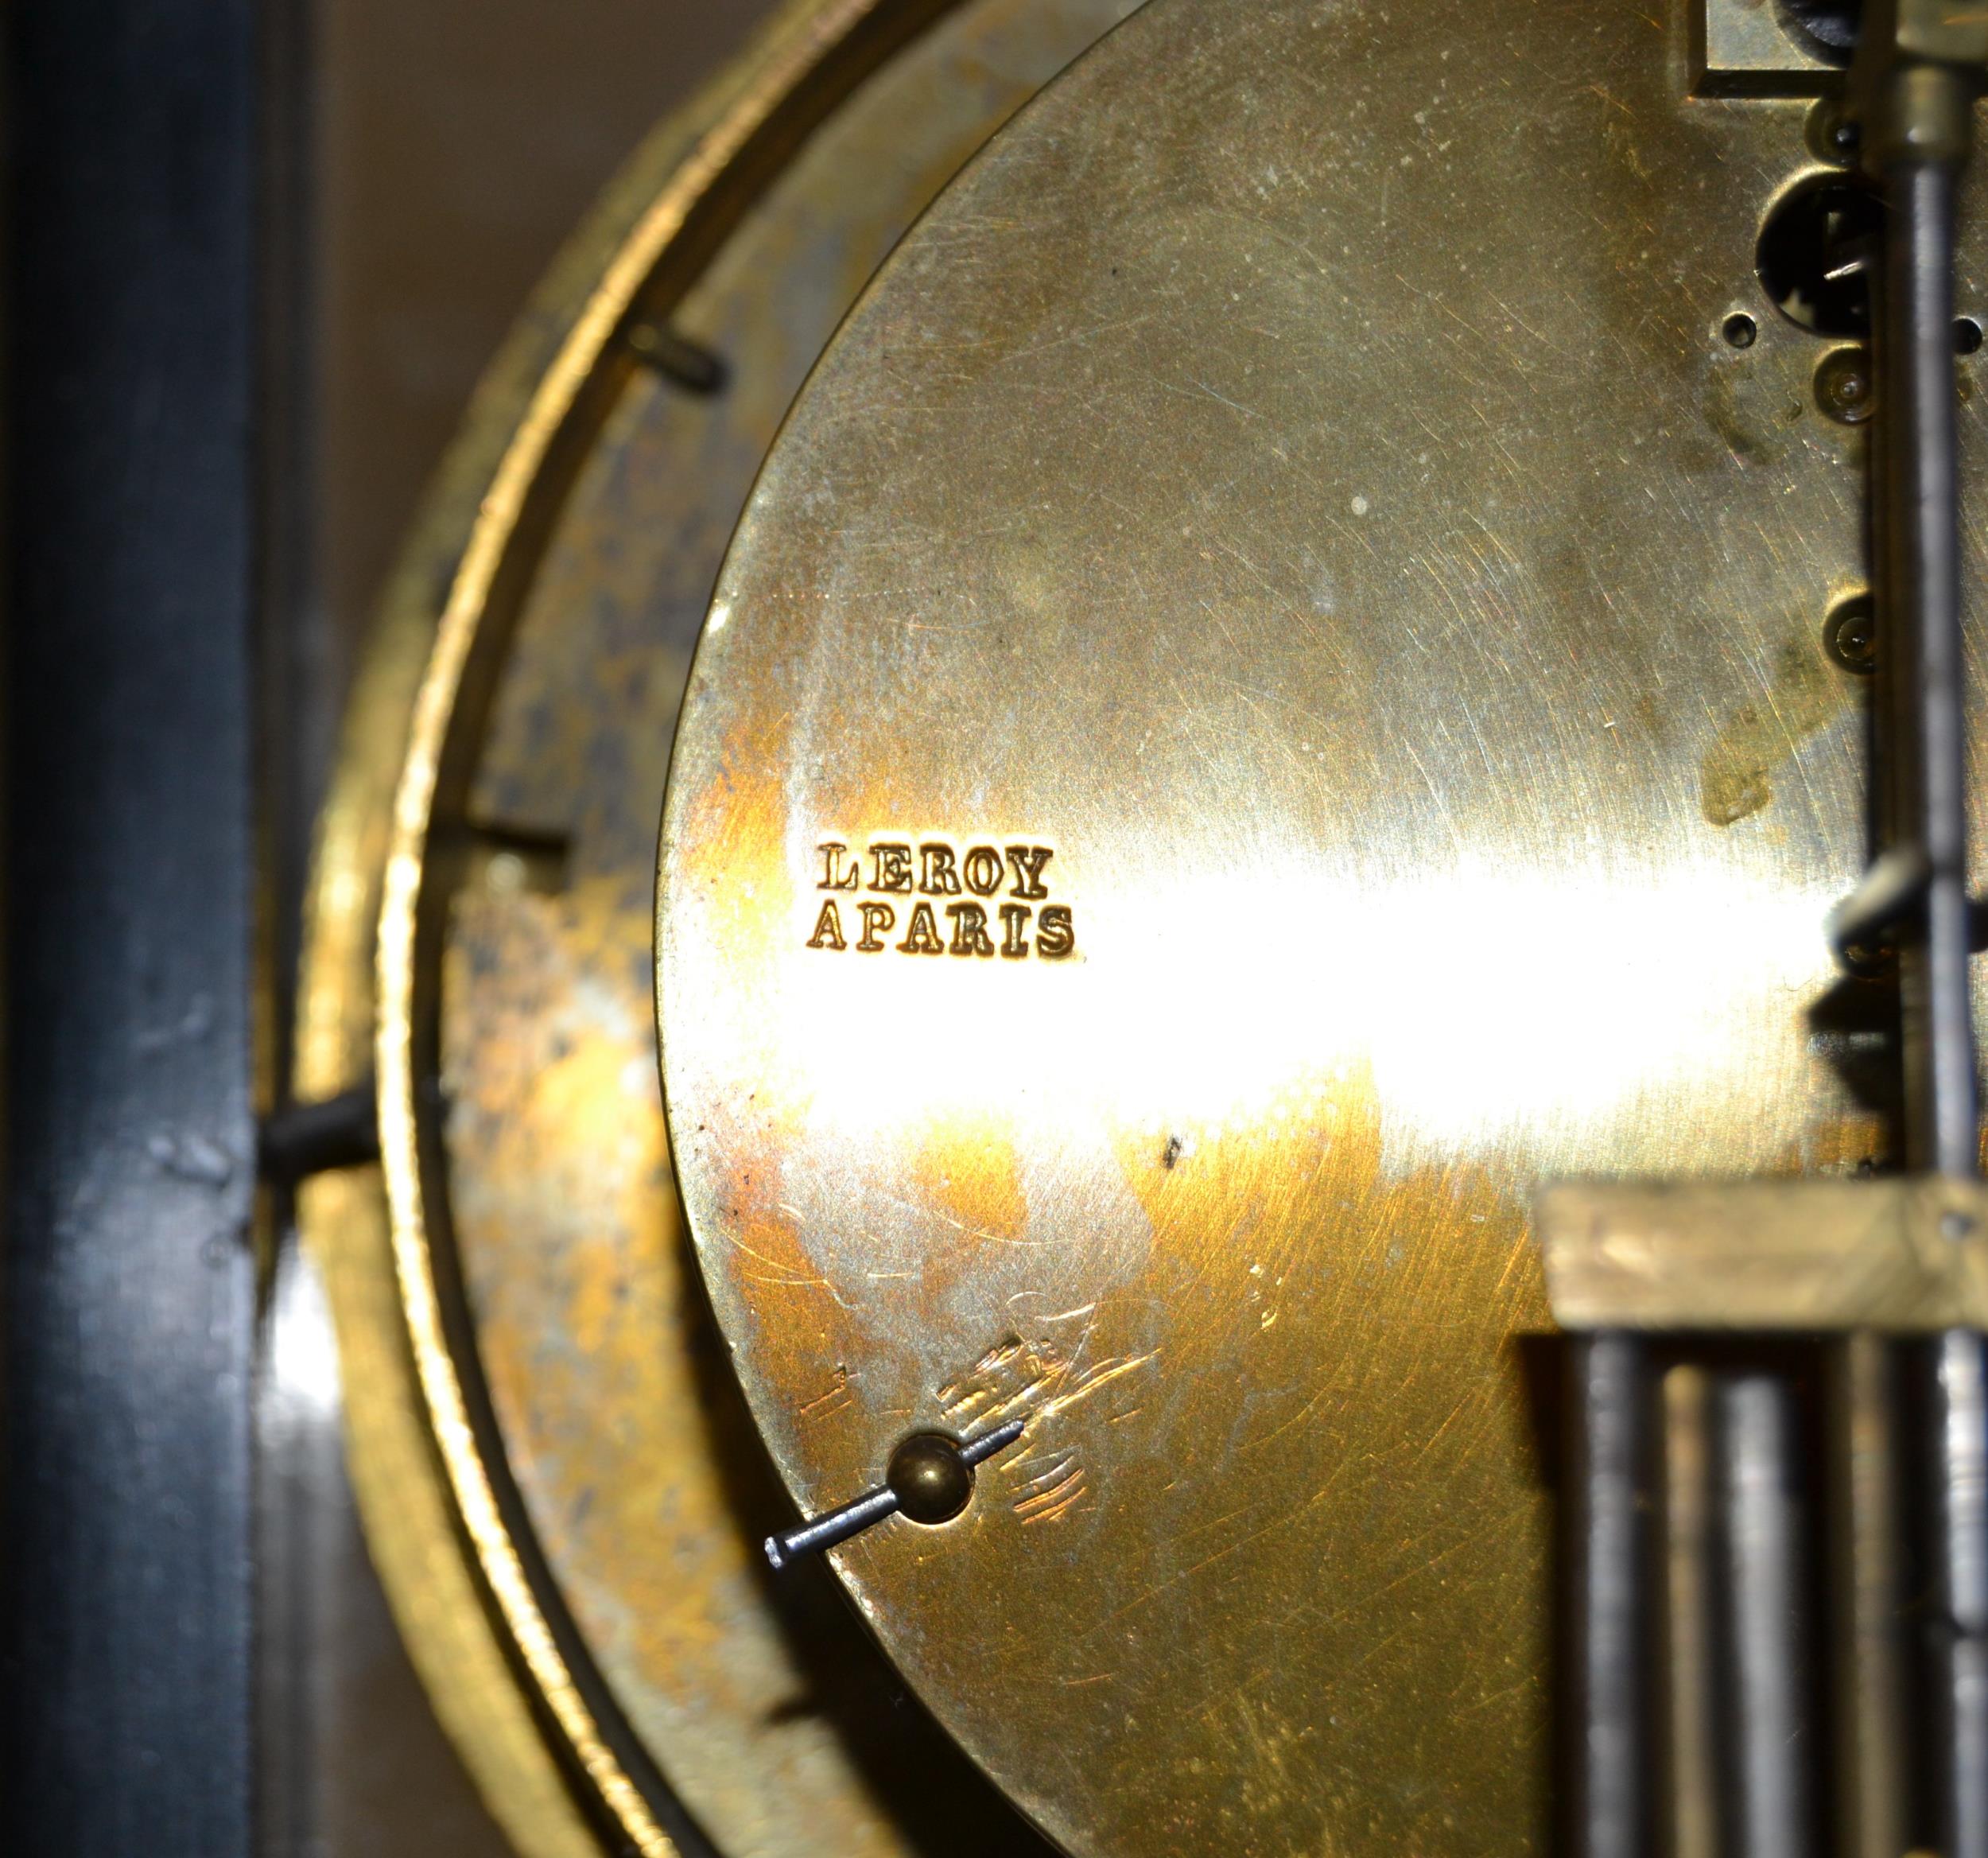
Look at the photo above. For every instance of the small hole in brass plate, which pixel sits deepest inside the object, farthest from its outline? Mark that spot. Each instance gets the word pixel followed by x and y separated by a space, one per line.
pixel 1739 329
pixel 1966 335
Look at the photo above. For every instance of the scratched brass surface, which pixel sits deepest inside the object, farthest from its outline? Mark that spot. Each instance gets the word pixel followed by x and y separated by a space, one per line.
pixel 540 1263
pixel 1296 478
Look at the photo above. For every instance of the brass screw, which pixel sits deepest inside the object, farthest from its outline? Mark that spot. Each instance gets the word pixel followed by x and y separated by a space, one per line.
pixel 1851 635
pixel 1843 385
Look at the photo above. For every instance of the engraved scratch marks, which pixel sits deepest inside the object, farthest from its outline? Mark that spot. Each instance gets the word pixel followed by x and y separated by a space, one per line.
pixel 836 1398
pixel 1038 1379
pixel 996 1357
pixel 1091 1380
pixel 1053 1491
pixel 782 1276
pixel 1001 1380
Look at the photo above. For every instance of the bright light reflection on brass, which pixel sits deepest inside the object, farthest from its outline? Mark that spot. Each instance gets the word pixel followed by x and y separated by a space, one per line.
pixel 1411 979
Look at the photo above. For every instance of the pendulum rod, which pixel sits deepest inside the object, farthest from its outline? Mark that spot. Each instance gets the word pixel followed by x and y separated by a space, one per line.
pixel 1916 78
pixel 1923 737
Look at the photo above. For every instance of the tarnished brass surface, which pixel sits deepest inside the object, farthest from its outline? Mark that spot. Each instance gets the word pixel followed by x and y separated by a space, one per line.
pixel 1298 481
pixel 1902 1257
pixel 540 1246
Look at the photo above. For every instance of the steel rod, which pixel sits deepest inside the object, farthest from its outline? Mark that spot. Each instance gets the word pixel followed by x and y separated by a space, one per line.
pixel 1765 1734
pixel 1608 1797
pixel 1923 667
pixel 1922 657
pixel 1691 1767
pixel 1870 1793
pixel 1957 1622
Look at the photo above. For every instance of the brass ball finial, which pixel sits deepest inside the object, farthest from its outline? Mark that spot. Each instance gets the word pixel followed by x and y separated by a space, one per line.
pixel 931 1480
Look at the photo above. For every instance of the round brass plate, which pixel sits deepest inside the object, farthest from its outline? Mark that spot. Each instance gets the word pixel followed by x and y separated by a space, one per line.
pixel 1271 697
pixel 559 1488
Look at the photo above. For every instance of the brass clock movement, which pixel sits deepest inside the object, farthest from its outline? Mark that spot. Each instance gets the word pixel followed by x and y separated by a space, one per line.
pixel 1258 621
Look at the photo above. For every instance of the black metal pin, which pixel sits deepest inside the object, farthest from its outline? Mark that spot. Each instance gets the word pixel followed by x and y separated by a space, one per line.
pixel 304 1139
pixel 688 364
pixel 930 1479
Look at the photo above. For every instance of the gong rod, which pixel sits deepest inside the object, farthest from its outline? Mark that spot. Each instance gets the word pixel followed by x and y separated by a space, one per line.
pixel 1918 140
pixel 1923 744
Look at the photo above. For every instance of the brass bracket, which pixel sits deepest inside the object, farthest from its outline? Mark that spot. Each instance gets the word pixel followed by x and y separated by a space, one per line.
pixel 1746 48
pixel 1906 1257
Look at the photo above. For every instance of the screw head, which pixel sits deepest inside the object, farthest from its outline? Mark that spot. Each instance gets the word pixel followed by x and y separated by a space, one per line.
pixel 1843 387
pixel 1852 636
pixel 932 1483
